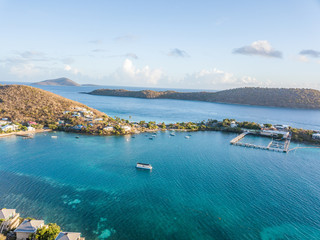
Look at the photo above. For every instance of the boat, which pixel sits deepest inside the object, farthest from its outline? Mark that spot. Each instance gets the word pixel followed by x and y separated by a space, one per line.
pixel 172 134
pixel 187 137
pixel 54 136
pixel 144 166
pixel 77 136
pixel 150 138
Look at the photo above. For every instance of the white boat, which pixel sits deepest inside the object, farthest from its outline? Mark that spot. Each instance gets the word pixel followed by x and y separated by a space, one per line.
pixel 54 136
pixel 187 137
pixel 144 166
pixel 172 134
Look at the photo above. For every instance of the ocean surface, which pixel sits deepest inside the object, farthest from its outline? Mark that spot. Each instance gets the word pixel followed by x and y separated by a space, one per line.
pixel 199 188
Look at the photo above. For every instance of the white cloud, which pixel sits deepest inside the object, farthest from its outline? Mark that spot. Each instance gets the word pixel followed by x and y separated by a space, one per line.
pixel 261 47
pixel 129 74
pixel 68 68
pixel 217 79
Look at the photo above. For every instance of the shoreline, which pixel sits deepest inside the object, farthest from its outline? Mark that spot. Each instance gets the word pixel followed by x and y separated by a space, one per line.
pixel 24 133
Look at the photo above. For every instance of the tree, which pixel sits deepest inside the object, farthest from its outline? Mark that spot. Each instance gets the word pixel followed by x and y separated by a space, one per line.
pixel 49 232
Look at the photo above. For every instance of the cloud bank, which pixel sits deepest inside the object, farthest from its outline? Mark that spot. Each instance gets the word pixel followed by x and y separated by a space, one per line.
pixel 259 48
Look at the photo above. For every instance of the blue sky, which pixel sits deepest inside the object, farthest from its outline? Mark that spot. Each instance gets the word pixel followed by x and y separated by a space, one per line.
pixel 178 44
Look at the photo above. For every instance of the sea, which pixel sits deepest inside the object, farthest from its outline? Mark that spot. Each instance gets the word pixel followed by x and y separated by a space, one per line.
pixel 199 188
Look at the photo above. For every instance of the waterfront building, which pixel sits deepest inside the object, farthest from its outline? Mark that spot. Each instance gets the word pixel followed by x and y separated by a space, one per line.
pixel 28 227
pixel 10 219
pixel 316 136
pixel 69 236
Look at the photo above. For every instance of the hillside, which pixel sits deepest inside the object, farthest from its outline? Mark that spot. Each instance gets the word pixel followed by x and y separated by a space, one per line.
pixel 24 103
pixel 273 97
pixel 58 82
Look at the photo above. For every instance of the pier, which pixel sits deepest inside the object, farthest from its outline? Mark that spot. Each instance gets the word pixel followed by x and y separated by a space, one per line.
pixel 274 145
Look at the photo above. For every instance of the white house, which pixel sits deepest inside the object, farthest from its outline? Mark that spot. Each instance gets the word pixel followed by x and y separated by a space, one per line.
pixel 316 136
pixel 272 133
pixel 109 128
pixel 10 217
pixel 126 128
pixel 233 124
pixel 30 128
pixel 11 127
pixel 69 236
pixel 28 227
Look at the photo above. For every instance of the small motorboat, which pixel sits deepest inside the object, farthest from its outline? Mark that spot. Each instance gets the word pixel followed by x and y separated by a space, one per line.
pixel 187 137
pixel 144 166
pixel 54 136
pixel 150 138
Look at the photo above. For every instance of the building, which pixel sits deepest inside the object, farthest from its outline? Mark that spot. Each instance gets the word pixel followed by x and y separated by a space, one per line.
pixel 11 127
pixel 10 217
pixel 109 128
pixel 69 236
pixel 126 128
pixel 28 227
pixel 316 136
pixel 233 124
pixel 272 133
pixel 30 128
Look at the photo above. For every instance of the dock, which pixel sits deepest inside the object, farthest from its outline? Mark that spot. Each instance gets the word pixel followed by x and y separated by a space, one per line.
pixel 274 145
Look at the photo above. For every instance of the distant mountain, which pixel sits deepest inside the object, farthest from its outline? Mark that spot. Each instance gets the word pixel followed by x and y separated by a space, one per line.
pixel 89 85
pixel 58 82
pixel 272 97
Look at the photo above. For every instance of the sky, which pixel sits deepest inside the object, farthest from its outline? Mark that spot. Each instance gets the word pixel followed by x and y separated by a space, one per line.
pixel 169 44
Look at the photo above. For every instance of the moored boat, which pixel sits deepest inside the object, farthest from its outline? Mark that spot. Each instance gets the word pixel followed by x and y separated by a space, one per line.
pixel 144 166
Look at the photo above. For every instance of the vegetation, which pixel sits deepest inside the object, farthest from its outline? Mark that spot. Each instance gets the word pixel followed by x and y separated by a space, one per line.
pixel 276 97
pixel 49 232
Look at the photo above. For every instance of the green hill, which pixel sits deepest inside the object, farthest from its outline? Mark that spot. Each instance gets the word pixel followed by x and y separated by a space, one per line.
pixel 273 97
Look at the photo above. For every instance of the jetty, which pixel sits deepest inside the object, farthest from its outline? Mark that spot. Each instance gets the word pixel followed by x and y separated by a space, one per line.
pixel 274 145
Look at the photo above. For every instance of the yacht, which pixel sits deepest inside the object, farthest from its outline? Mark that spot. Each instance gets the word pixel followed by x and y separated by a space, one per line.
pixel 144 166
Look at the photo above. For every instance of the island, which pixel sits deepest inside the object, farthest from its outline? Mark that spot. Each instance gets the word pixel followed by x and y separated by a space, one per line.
pixel 270 97
pixel 28 109
pixel 58 82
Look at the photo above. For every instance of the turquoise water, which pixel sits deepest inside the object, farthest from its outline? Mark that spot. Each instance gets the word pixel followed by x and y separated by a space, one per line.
pixel 200 188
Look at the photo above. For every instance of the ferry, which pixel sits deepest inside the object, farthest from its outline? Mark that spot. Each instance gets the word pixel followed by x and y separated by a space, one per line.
pixel 144 166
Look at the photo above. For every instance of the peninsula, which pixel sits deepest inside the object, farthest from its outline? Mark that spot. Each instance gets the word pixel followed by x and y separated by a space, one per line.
pixel 25 108
pixel 271 97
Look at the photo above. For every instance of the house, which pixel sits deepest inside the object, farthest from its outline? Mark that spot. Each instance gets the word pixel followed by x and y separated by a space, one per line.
pixel 32 123
pixel 272 133
pixel 4 119
pixel 233 124
pixel 98 119
pixel 108 128
pixel 126 128
pixel 28 227
pixel 10 217
pixel 11 127
pixel 69 236
pixel 316 136
pixel 30 128
pixel 78 127
pixel 4 122
pixel 66 112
